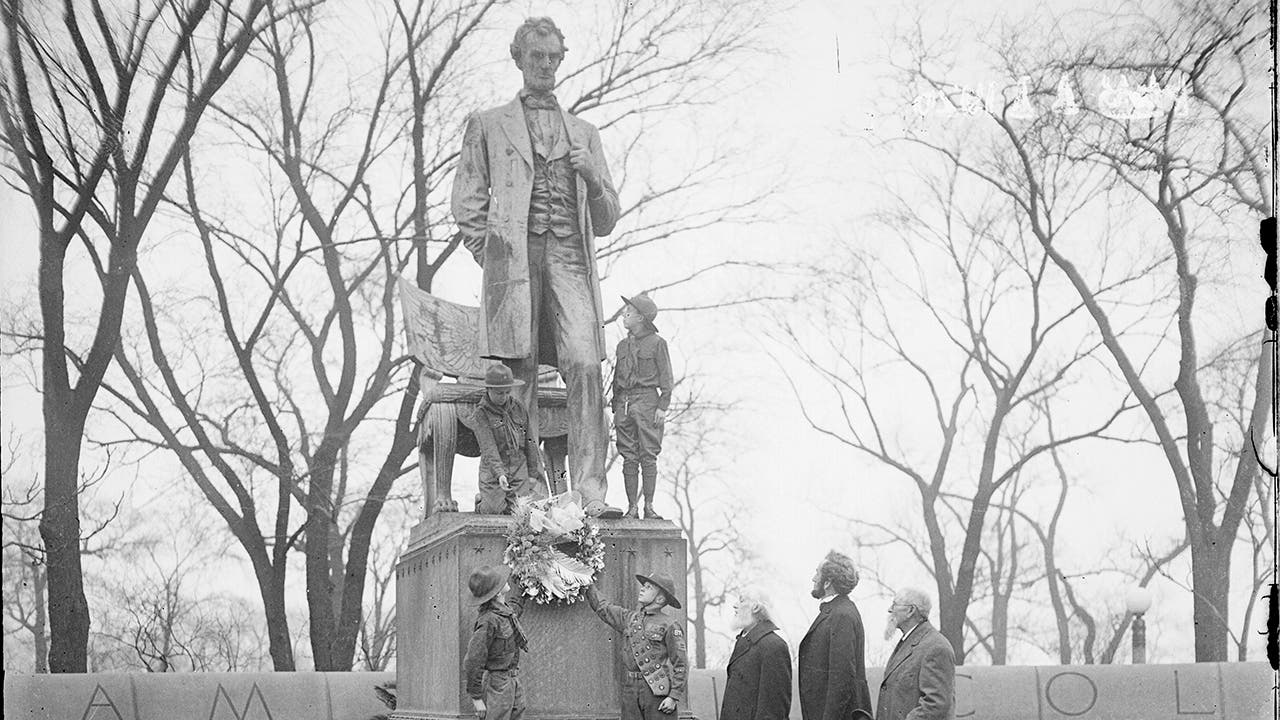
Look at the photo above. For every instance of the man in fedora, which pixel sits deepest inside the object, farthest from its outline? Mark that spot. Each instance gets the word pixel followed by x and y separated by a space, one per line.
pixel 491 665
pixel 642 385
pixel 510 463
pixel 531 193
pixel 654 659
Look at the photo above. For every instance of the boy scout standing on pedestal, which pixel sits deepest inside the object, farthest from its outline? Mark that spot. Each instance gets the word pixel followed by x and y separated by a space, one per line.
pixel 654 660
pixel 641 395
pixel 491 666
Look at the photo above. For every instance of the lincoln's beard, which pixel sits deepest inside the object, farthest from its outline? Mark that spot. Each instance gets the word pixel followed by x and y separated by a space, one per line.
pixel 890 628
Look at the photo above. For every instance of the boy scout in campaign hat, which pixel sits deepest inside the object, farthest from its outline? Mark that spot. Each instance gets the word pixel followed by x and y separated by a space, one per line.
pixel 510 463
pixel 491 665
pixel 655 662
pixel 642 385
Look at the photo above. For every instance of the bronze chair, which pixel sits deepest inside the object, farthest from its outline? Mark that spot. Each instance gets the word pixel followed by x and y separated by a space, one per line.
pixel 443 336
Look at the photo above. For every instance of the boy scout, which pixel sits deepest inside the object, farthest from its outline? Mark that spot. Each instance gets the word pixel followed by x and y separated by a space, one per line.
pixel 641 395
pixel 510 462
pixel 491 665
pixel 654 658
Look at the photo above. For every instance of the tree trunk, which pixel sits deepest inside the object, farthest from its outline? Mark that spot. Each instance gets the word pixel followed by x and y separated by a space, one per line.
pixel 60 530
pixel 699 622
pixel 271 590
pixel 39 636
pixel 951 625
pixel 320 591
pixel 351 612
pixel 1210 580
pixel 1000 630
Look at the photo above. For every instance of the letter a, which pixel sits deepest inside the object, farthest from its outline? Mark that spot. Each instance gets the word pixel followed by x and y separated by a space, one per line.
pixel 100 708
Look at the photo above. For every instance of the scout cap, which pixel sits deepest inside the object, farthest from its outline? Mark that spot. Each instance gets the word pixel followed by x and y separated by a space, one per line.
pixel 663 583
pixel 647 308
pixel 486 582
pixel 499 376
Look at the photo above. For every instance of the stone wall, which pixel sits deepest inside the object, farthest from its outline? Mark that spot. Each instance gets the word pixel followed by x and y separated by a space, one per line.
pixel 1229 691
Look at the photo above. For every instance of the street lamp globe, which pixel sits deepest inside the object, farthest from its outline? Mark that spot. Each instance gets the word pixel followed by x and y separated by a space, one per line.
pixel 1138 600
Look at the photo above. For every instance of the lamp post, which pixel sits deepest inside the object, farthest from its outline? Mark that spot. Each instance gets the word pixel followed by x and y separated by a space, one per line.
pixel 1138 602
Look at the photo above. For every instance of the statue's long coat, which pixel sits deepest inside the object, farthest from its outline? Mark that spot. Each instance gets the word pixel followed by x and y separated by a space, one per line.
pixel 491 191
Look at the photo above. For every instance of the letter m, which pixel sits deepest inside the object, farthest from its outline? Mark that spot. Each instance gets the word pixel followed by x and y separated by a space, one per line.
pixel 222 698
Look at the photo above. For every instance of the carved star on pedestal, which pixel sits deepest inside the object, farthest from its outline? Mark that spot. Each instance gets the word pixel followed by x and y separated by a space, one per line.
pixel 668 552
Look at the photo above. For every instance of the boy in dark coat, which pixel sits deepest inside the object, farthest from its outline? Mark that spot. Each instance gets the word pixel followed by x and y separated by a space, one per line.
pixel 491 667
pixel 510 463
pixel 758 684
pixel 642 386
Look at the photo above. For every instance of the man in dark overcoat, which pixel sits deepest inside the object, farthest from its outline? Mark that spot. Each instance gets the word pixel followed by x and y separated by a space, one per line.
pixel 758 683
pixel 832 665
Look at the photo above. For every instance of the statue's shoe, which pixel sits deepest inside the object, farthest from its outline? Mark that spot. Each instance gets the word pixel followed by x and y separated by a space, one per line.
pixel 597 509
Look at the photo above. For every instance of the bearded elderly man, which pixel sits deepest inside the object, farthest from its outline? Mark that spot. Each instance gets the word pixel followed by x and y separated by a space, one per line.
pixel 832 664
pixel 530 195
pixel 757 682
pixel 920 677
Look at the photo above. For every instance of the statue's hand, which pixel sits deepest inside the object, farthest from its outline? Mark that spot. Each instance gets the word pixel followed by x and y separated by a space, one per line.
pixel 667 706
pixel 580 159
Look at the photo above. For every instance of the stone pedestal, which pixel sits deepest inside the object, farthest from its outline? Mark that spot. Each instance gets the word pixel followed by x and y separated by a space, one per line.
pixel 572 668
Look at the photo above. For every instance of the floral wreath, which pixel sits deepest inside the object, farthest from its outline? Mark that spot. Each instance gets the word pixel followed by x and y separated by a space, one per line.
pixel 554 551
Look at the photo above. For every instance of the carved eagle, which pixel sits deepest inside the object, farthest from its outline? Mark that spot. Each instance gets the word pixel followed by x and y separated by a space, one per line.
pixel 445 335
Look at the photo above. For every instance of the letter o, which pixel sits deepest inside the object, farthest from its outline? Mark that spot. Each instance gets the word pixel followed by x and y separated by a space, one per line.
pixel 1071 694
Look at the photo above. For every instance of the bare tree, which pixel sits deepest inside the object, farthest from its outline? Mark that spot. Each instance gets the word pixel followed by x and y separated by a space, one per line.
pixel 1197 183
pixel 378 628
pixel 95 111
pixel 26 585
pixel 720 559
pixel 164 616
pixel 25 581
pixel 987 342
pixel 1080 636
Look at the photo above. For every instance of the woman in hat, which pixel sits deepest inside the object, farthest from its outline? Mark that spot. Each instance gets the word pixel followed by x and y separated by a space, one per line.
pixel 510 463
pixel 654 659
pixel 491 666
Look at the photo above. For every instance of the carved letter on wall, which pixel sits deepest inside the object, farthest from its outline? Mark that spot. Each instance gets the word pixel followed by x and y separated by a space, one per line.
pixel 1071 693
pixel 100 706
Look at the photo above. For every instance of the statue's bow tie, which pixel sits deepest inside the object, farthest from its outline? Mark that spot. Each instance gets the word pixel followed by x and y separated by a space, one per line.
pixel 541 102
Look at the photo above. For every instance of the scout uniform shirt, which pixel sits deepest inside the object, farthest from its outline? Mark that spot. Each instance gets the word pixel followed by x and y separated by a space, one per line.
pixel 643 362
pixel 501 431
pixel 655 645
pixel 495 644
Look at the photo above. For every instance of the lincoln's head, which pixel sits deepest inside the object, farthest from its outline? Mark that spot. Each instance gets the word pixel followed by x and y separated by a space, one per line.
pixel 538 49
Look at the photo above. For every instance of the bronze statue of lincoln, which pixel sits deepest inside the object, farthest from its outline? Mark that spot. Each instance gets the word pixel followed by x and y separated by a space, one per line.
pixel 530 195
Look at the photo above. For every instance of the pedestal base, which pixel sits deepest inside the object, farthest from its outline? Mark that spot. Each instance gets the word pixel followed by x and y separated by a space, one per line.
pixel 574 661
